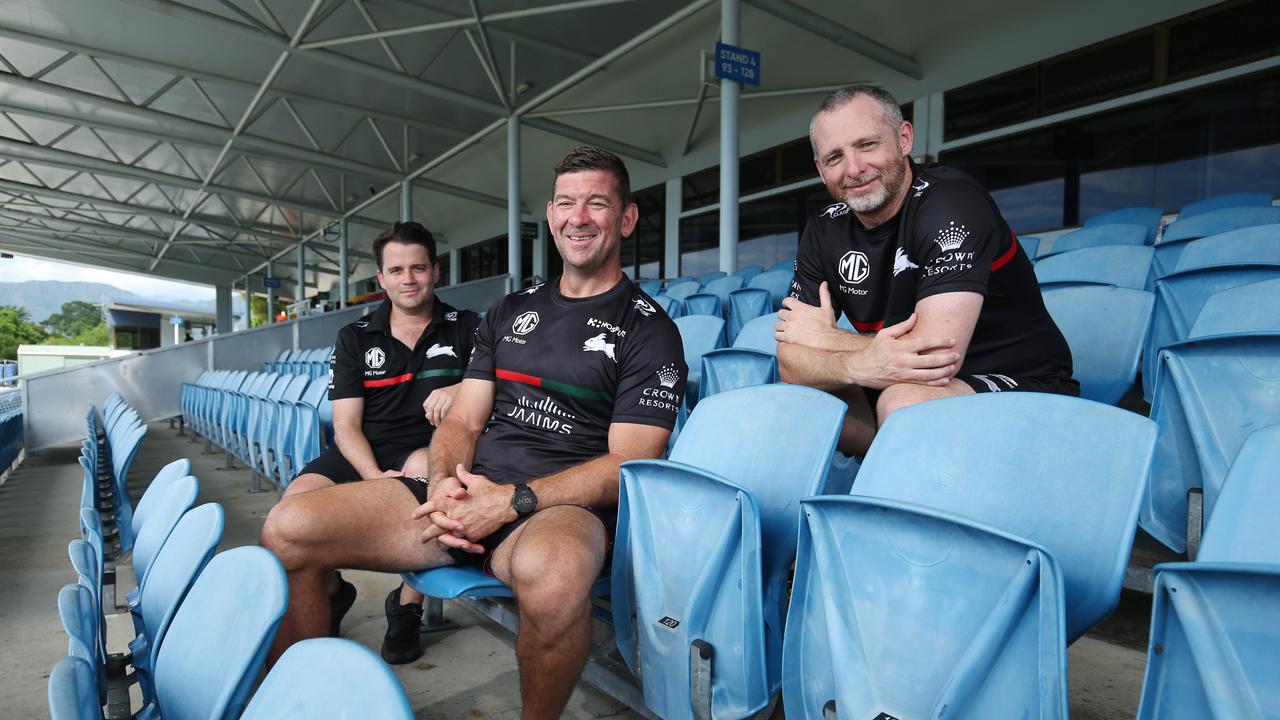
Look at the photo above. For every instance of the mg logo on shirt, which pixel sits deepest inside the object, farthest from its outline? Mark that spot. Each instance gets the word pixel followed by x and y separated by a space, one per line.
pixel 374 357
pixel 525 323
pixel 854 267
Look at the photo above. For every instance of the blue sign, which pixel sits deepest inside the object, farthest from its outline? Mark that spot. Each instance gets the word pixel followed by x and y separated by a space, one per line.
pixel 175 320
pixel 735 63
pixel 270 282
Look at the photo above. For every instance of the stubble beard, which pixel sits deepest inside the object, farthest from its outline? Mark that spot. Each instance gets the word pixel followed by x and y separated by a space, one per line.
pixel 873 200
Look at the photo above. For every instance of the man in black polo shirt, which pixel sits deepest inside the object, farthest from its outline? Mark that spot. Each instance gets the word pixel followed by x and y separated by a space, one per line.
pixel 568 380
pixel 392 378
pixel 919 256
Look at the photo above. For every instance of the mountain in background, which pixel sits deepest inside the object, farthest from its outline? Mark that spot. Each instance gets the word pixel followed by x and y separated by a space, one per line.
pixel 43 298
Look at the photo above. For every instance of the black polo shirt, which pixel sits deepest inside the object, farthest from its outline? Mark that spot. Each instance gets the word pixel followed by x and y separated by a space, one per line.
pixel 394 380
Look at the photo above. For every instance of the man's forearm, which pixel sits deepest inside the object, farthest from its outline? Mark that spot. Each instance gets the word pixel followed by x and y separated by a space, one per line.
pixel 452 444
pixel 822 369
pixel 593 483
pixel 355 447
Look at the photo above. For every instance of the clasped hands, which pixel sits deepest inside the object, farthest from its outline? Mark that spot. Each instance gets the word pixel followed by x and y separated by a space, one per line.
pixel 465 508
pixel 889 357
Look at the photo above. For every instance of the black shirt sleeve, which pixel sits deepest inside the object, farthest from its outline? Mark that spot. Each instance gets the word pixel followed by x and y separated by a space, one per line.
pixel 481 365
pixel 345 379
pixel 956 236
pixel 652 374
pixel 468 325
pixel 808 275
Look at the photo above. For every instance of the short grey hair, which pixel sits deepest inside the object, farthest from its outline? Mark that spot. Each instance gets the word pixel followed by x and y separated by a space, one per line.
pixel 845 95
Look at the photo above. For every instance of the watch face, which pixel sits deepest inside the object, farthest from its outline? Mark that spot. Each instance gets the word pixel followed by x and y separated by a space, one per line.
pixel 524 501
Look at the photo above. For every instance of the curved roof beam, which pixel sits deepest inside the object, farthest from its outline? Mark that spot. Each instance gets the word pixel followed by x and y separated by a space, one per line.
pixel 845 37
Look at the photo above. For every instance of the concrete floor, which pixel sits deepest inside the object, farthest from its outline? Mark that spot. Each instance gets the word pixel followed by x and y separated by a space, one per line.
pixel 465 673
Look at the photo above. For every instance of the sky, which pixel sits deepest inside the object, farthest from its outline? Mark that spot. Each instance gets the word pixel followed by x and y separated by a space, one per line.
pixel 20 269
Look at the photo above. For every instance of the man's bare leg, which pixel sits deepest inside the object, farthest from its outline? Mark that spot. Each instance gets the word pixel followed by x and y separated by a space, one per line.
pixel 365 525
pixel 416 465
pixel 859 426
pixel 550 562
pixel 896 397
pixel 306 483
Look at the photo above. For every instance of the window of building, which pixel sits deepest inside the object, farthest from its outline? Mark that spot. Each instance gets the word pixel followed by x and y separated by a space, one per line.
pixel 768 231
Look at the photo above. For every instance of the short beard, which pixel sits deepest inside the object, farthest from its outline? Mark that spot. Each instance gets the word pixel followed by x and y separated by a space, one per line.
pixel 891 183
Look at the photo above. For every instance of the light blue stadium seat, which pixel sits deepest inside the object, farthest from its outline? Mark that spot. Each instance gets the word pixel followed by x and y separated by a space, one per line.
pixel 702 304
pixel 650 287
pixel 1256 244
pixel 307 429
pixel 185 553
pixel 681 290
pixel 731 489
pixel 721 287
pixel 1240 199
pixel 700 334
pixel 1122 234
pixel 748 272
pixel 733 368
pixel 82 622
pixel 777 282
pixel 1148 217
pixel 1211 391
pixel 175 500
pixel 758 334
pixel 787 265
pixel 1179 298
pixel 218 639
pixel 950 582
pixel 1125 266
pixel 329 678
pixel 86 561
pixel 167 475
pixel 744 306
pixel 275 414
pixel 1213 222
pixel 1212 650
pixel 123 449
pixel 708 277
pixel 73 690
pixel 672 307
pixel 1105 328
pixel 1030 246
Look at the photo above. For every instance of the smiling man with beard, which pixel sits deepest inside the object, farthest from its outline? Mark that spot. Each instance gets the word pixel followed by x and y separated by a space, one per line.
pixel 924 266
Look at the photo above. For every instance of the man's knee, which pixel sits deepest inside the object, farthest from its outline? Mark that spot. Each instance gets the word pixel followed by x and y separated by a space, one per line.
pixel 289 530
pixel 418 464
pixel 896 397
pixel 552 574
pixel 307 483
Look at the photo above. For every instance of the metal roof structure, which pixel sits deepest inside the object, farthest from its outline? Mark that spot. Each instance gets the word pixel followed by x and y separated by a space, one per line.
pixel 199 140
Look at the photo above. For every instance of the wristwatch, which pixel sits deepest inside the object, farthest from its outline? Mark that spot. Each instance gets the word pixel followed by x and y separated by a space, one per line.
pixel 524 501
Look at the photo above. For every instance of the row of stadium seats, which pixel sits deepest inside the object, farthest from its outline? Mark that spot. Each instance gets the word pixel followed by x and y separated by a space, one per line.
pixel 313 362
pixel 202 623
pixel 275 423
pixel 11 433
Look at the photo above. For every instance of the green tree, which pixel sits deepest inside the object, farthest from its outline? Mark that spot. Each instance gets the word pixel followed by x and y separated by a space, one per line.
pixel 75 318
pixel 16 329
pixel 259 310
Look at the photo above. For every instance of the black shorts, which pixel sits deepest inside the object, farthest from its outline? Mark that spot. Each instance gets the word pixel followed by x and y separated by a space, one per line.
pixel 334 466
pixel 462 558
pixel 995 382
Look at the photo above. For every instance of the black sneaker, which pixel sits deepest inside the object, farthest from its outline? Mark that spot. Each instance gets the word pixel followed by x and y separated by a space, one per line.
pixel 339 603
pixel 402 643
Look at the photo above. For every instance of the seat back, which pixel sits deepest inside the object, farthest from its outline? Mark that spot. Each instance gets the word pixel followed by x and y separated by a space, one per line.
pixel 329 677
pixel 86 561
pixel 218 639
pixel 1210 394
pixel 73 690
pixel 1097 236
pixel 650 287
pixel 1229 200
pixel 1212 222
pixel 167 476
pixel 175 500
pixel 702 304
pixel 708 277
pixel 1148 217
pixel 1072 486
pixel 1249 308
pixel 681 290
pixel 758 334
pixel 1259 244
pixel 785 264
pixel 1126 266
pixel 721 287
pixel 748 272
pixel 80 621
pixel 699 334
pixel 1104 355
pixel 669 305
pixel 744 306
pixel 1244 530
pixel 185 553
pixel 733 368
pixel 1030 246
pixel 731 489
pixel 776 282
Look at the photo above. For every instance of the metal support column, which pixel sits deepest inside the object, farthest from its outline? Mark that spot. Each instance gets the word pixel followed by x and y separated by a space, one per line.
pixel 406 201
pixel 455 267
pixel 271 296
pixel 248 304
pixel 301 293
pixel 540 251
pixel 222 305
pixel 671 229
pixel 342 262
pixel 513 202
pixel 730 26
